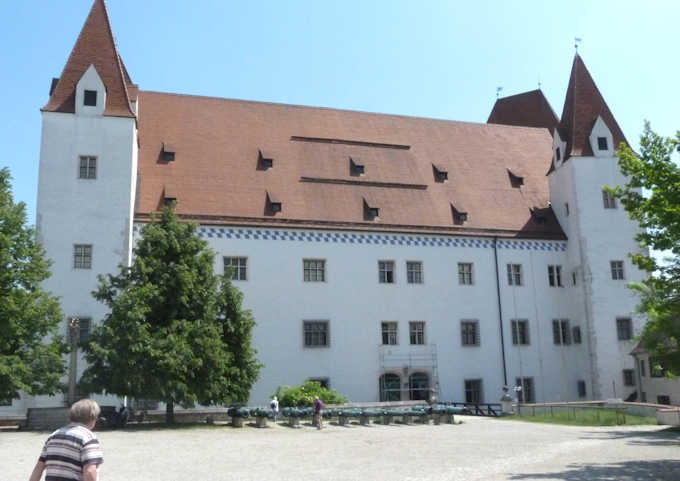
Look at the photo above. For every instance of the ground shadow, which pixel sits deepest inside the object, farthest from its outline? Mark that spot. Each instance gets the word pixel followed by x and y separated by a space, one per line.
pixel 662 437
pixel 662 470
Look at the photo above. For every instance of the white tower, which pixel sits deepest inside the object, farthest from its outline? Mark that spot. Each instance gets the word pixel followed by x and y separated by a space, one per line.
pixel 88 172
pixel 600 234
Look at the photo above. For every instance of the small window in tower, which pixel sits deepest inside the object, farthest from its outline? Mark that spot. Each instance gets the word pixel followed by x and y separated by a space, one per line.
pixel 264 160
pixel 440 174
pixel 168 152
pixel 602 143
pixel 169 195
pixel 356 168
pixel 515 180
pixel 558 154
pixel 90 98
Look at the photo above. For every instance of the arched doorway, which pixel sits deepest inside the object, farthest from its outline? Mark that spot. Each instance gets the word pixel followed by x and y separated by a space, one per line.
pixel 419 386
pixel 390 387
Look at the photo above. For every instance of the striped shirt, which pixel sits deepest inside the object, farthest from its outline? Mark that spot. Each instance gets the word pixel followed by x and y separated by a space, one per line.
pixel 68 450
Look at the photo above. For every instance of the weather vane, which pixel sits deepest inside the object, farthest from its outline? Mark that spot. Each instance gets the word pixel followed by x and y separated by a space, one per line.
pixel 498 91
pixel 577 41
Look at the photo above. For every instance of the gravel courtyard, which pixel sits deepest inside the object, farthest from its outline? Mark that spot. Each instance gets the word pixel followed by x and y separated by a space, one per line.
pixel 478 449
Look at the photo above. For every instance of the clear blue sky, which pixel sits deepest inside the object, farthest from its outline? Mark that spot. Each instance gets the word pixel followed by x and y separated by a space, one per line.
pixel 439 59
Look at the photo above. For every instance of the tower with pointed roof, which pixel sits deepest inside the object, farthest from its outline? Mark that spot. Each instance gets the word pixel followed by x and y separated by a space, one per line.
pixel 601 235
pixel 88 169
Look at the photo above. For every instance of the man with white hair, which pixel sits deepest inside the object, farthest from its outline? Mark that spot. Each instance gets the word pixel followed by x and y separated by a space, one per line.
pixel 73 451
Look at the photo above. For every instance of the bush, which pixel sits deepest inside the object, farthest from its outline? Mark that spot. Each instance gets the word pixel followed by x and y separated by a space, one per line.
pixel 303 395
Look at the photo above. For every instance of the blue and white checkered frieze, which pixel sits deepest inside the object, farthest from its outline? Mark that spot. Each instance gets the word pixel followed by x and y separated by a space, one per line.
pixel 359 238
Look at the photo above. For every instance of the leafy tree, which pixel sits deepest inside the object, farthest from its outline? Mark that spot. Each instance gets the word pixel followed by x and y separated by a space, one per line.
pixel 31 350
pixel 303 395
pixel 658 214
pixel 176 332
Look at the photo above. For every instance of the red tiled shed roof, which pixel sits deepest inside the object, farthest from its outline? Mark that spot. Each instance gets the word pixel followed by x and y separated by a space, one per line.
pixel 95 46
pixel 528 109
pixel 583 104
pixel 216 178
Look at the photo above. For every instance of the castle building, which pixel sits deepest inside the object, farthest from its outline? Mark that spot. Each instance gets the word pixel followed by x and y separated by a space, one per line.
pixel 383 255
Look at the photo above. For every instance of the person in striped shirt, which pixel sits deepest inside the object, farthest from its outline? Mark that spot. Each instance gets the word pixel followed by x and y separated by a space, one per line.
pixel 72 453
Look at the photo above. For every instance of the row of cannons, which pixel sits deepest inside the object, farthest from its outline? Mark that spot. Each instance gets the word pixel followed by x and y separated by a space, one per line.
pixel 439 414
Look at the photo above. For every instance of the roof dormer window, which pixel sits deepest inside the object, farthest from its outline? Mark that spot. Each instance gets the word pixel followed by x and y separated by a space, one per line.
pixel 355 167
pixel 602 143
pixel 264 160
pixel 440 175
pixel 169 195
pixel 515 180
pixel 90 98
pixel 273 205
pixel 168 152
pixel 460 215
pixel 371 212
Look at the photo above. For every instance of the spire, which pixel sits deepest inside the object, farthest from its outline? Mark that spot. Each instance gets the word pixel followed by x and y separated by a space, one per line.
pixel 583 104
pixel 95 46
pixel 529 109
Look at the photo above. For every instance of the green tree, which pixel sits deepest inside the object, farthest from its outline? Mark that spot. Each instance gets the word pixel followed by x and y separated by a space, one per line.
pixel 176 332
pixel 658 215
pixel 31 350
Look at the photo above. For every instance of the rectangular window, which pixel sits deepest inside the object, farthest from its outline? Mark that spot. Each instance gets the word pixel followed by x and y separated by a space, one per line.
pixel 87 168
pixel 608 200
pixel 561 332
pixel 414 272
pixel 315 333
pixel 82 256
pixel 581 389
pixel 576 334
pixel 602 143
pixel 566 209
pixel 624 328
pixel 90 98
pixel 473 391
pixel 526 394
pixel 643 368
pixel 389 334
pixel 617 270
pixel 314 270
pixel 656 368
pixel 323 381
pixel 469 333
pixel 416 332
pixel 515 274
pixel 465 273
pixel 663 399
pixel 520 332
pixel 84 329
pixel 555 276
pixel 237 266
pixel 386 272
pixel 628 377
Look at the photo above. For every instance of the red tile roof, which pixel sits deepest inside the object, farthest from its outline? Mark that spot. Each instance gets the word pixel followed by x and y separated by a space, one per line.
pixel 528 109
pixel 216 179
pixel 583 104
pixel 95 46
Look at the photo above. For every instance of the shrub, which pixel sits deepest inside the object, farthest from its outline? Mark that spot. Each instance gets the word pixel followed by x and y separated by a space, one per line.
pixel 303 395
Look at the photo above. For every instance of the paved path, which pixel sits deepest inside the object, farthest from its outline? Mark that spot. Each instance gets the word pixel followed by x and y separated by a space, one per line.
pixel 478 449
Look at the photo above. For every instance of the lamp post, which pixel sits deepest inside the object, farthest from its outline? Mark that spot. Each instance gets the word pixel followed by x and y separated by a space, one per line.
pixel 74 337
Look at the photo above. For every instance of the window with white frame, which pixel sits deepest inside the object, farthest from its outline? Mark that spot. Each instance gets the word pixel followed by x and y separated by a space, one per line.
pixel 316 333
pixel 515 274
pixel 561 331
pixel 237 266
pixel 390 334
pixel 624 328
pixel 473 391
pixel 520 332
pixel 416 332
pixel 555 276
pixel 608 200
pixel 82 256
pixel 314 270
pixel 526 394
pixel 465 273
pixel 617 270
pixel 414 272
pixel 87 168
pixel 628 377
pixel 386 272
pixel 469 332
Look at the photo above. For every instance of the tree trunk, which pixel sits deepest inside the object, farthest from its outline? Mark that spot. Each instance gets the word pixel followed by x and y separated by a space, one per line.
pixel 170 412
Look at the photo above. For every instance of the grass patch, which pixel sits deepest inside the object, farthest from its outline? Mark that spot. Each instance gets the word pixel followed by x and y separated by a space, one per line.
pixel 582 417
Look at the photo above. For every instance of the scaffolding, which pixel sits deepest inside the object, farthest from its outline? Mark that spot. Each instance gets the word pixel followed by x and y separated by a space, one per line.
pixel 408 372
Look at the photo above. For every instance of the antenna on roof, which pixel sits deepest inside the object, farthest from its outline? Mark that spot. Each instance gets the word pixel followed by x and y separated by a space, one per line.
pixel 498 91
pixel 577 41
